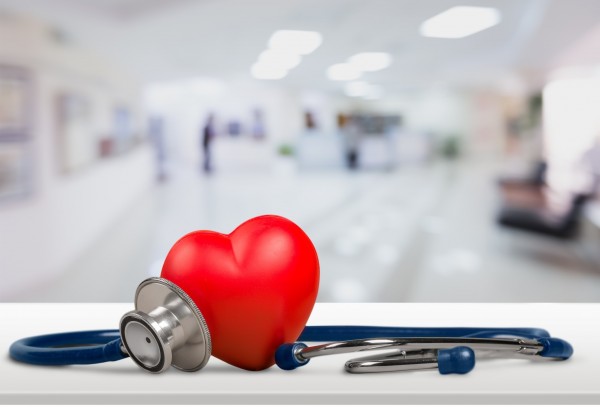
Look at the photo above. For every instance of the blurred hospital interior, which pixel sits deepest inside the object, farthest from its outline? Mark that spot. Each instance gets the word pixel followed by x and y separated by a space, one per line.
pixel 433 150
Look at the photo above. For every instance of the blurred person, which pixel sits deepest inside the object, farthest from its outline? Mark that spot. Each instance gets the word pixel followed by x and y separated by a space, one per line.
pixel 258 127
pixel 590 165
pixel 350 134
pixel 310 125
pixel 156 134
pixel 208 135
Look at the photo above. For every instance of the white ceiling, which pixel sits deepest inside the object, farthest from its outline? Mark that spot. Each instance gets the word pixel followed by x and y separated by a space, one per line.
pixel 160 39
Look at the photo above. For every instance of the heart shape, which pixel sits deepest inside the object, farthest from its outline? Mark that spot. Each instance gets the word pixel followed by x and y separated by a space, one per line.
pixel 255 287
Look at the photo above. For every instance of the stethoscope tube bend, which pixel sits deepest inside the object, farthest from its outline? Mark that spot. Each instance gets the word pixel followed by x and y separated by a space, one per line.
pixel 69 348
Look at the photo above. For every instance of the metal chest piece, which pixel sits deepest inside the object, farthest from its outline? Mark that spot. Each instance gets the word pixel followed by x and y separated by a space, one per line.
pixel 166 328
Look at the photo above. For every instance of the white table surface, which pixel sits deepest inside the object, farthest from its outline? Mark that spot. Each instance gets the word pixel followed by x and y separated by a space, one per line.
pixel 323 381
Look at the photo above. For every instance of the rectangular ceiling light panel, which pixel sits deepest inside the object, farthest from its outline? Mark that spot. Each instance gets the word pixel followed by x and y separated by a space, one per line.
pixel 295 41
pixel 460 22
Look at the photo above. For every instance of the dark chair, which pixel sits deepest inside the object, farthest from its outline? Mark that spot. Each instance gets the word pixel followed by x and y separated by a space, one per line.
pixel 536 178
pixel 538 220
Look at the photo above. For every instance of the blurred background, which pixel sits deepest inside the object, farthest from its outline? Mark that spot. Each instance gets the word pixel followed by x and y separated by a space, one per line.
pixel 433 150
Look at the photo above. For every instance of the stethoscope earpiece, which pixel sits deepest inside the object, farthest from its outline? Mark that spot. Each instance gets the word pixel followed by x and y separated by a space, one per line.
pixel 287 356
pixel 457 360
pixel 556 348
pixel 450 354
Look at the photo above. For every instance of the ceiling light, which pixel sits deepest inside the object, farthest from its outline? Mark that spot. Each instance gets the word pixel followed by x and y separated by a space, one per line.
pixel 371 61
pixel 356 89
pixel 279 59
pixel 297 42
pixel 343 72
pixel 263 71
pixel 460 21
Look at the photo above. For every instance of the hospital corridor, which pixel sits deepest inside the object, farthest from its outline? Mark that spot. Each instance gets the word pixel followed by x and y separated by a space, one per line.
pixel 378 240
pixel 426 165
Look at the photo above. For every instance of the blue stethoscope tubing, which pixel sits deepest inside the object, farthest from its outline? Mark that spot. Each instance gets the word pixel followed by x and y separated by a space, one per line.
pixel 69 348
pixel 91 347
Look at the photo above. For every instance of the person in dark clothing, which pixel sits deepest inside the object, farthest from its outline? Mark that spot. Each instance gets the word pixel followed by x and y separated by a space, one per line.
pixel 157 137
pixel 208 135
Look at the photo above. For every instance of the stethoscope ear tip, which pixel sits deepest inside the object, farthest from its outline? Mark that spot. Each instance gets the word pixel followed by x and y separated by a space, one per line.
pixel 287 356
pixel 556 348
pixel 458 360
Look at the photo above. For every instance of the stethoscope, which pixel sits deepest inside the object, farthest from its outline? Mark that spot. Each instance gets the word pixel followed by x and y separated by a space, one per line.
pixel 167 329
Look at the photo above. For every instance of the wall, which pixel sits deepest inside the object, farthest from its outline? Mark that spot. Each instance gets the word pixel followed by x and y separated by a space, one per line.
pixel 572 126
pixel 571 119
pixel 584 52
pixel 42 234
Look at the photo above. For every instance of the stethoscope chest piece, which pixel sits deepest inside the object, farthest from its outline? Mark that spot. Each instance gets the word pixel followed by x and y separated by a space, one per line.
pixel 165 329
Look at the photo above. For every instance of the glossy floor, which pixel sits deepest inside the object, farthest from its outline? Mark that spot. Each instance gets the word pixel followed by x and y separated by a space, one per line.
pixel 420 233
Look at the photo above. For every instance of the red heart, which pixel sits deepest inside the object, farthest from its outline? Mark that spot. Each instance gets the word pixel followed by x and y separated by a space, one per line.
pixel 255 287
